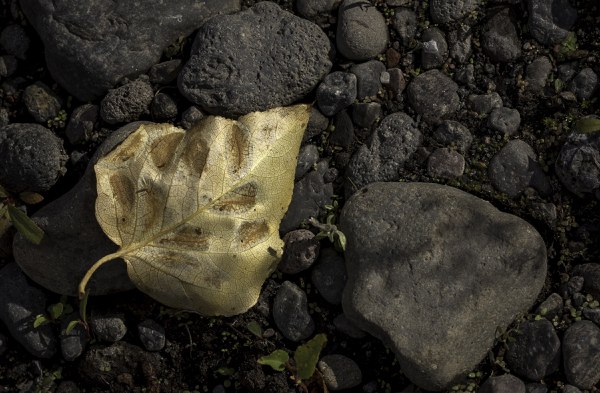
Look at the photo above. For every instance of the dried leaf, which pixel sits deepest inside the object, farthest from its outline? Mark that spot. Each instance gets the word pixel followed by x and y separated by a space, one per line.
pixel 196 213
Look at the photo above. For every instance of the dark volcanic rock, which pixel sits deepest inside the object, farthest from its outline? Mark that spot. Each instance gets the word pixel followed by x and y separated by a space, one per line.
pixel 361 31
pixel 500 40
pixel 91 45
pixel 32 158
pixel 74 239
pixel 127 103
pixel 431 269
pixel 578 164
pixel 257 59
pixel 581 354
pixel 290 312
pixel 551 20
pixel 433 95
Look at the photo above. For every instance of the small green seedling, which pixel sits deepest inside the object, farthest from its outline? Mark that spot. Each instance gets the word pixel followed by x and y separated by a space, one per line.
pixel 18 217
pixel 330 231
pixel 54 313
pixel 303 366
pixel 587 125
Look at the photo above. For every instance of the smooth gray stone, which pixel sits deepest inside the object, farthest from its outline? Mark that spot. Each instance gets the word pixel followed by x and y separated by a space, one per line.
pixel 445 163
pixel 91 45
pixel 361 30
pixel 329 275
pixel 257 59
pixel 431 269
pixel 339 372
pixel 290 312
pixel 21 303
pixel 368 77
pixel 503 384
pixel 504 120
pixel 537 73
pixel 73 239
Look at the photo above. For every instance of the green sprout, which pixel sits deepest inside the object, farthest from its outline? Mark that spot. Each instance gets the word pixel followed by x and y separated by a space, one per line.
pixel 587 125
pixel 329 230
pixel 18 217
pixel 303 366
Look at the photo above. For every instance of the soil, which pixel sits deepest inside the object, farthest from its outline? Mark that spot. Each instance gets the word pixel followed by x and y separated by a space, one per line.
pixel 202 353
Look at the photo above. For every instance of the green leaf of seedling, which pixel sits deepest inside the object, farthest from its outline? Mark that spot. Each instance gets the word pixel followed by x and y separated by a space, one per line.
pixel 276 360
pixel 56 310
pixel 25 225
pixel 71 326
pixel 307 356
pixel 587 125
pixel 3 209
pixel 254 328
pixel 40 320
pixel 340 240
pixel 225 371
pixel 3 193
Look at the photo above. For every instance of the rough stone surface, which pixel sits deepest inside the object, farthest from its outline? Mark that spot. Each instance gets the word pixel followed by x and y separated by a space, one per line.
pixel 453 134
pixel 41 102
pixel 581 354
pixel 578 164
pixel 502 384
pixel 163 107
pixel 3 345
pixel 109 327
pixel 441 264
pixel 550 20
pixel 313 8
pixel 433 95
pixel 365 114
pixel 310 194
pixel 584 84
pixel 14 41
pixel 127 103
pixel 257 59
pixel 339 372
pixel 361 31
pixel 484 103
pixel 460 44
pixel 90 46
pixel 20 304
pixel 535 351
pixel 74 239
pixel 300 252
pixel 405 23
pixel 445 11
pixel 504 120
pixel 368 77
pixel 337 91
pixel 290 312
pixel 445 163
pixel 500 40
pixel 32 158
pixel 392 143
pixel 591 277
pixel 538 388
pixel 435 48
pixel 152 335
pixel 551 307
pixel 515 167
pixel 191 116
pixel 307 158
pixel 537 73
pixel 329 276
pixel 165 72
pixel 82 122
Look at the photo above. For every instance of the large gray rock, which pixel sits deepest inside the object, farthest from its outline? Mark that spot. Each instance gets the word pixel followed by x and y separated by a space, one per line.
pixel 21 303
pixel 257 59
pixel 73 238
pixel 392 143
pixel 432 269
pixel 91 45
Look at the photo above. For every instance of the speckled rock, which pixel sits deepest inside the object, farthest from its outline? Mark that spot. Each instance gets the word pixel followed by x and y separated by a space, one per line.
pixel 550 20
pixel 109 327
pixel 537 73
pixel 91 46
pixel 405 23
pixel 591 277
pixel 584 84
pixel 41 102
pixel 500 40
pixel 257 59
pixel 361 31
pixel 337 91
pixel 453 134
pixel 32 158
pixel 368 75
pixel 504 120
pixel 445 11
pixel 435 48
pixel 433 95
pixel 300 252
pixel 312 8
pixel 445 163
pixel 581 354
pixel 127 103
pixel 152 335
pixel 392 143
pixel 484 103
pixel 578 163
pixel 408 240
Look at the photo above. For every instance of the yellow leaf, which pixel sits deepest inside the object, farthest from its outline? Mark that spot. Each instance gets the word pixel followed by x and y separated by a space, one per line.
pixel 196 213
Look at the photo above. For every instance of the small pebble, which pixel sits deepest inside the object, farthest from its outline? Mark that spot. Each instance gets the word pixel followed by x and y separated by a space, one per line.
pixel 300 252
pixel 551 307
pixel 361 30
pixel 163 107
pixel 504 120
pixel 343 133
pixel 368 77
pixel 339 372
pixel 109 327
pixel 126 103
pixel 364 115
pixel 14 40
pixel 502 384
pixel 337 91
pixel 451 133
pixel 41 102
pixel 82 122
pixel 165 72
pixel 152 335
pixel 329 275
pixel 307 158
pixel 445 163
pixel 191 116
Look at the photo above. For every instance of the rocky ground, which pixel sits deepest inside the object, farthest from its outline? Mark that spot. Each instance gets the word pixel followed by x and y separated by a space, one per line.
pixel 445 141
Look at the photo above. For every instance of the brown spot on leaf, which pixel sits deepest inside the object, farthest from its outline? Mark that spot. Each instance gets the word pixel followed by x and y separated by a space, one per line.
pixel 253 232
pixel 124 193
pixel 239 200
pixel 128 148
pixel 238 147
pixel 187 237
pixel 195 153
pixel 162 149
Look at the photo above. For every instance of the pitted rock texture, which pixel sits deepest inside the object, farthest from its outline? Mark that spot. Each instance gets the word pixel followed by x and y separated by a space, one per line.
pixel 91 45
pixel 254 60
pixel 73 238
pixel 431 269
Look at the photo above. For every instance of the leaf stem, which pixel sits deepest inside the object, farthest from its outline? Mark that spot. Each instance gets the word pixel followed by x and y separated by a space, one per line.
pixel 92 270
